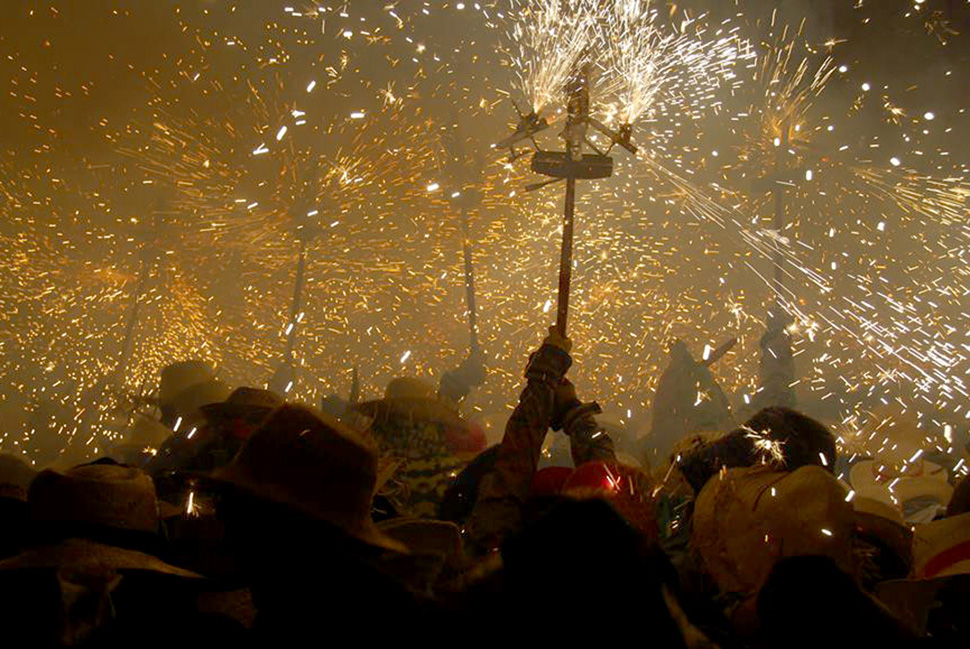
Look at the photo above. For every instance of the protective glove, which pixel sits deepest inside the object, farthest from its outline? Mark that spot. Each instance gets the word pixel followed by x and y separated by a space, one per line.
pixel 566 402
pixel 551 361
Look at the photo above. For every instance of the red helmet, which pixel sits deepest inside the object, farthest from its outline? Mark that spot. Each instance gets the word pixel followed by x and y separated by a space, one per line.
pixel 629 490
pixel 550 480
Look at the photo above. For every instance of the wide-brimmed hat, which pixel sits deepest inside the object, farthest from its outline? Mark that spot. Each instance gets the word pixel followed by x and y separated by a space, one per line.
pixel 883 526
pixel 874 507
pixel 922 479
pixel 311 462
pixel 178 377
pixel 251 404
pixel 410 397
pixel 942 548
pixel 195 398
pixel 109 496
pixel 104 498
pixel 84 555
pixel 427 536
pixel 746 519
pixel 15 477
pixel 941 555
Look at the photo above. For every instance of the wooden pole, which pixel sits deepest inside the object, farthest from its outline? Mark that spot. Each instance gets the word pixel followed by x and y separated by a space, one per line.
pixel 469 281
pixel 566 257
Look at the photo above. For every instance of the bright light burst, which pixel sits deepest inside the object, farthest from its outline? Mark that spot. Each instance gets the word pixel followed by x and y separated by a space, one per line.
pixel 260 128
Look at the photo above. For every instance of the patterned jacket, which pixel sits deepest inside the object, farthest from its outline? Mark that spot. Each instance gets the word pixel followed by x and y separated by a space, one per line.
pixel 426 465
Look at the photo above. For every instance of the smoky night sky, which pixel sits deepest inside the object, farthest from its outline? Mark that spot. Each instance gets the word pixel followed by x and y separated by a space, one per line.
pixel 164 166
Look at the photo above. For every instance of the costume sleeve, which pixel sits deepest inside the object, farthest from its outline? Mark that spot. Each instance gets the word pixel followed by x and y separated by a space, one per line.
pixel 504 491
pixel 588 441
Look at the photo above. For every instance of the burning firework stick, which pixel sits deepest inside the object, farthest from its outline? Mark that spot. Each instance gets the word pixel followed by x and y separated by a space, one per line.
pixel 285 375
pixel 778 189
pixel 462 170
pixel 566 257
pixel 571 165
pixel 577 119
pixel 469 281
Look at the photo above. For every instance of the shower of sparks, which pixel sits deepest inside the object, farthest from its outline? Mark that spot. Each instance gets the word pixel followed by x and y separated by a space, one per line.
pixel 676 64
pixel 771 451
pixel 170 226
pixel 549 38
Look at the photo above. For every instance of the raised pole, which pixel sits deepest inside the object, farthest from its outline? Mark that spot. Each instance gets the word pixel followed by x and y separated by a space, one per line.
pixel 566 257
pixel 779 194
pixel 128 345
pixel 469 281
pixel 297 303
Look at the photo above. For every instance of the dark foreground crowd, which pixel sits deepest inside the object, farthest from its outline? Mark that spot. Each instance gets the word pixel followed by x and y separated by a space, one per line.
pixel 238 519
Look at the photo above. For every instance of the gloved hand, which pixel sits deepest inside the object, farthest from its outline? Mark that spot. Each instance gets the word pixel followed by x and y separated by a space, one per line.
pixel 550 362
pixel 566 402
pixel 556 339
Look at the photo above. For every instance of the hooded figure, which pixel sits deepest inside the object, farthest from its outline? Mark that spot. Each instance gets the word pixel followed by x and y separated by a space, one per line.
pixel 688 401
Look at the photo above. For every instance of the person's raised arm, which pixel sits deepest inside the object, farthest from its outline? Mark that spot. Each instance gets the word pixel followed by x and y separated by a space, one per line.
pixel 588 441
pixel 504 491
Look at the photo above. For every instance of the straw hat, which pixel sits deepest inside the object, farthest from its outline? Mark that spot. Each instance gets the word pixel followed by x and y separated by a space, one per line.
pixel 942 548
pixel 178 377
pixel 15 477
pixel 90 557
pixel 941 554
pixel 310 461
pixel 252 404
pixel 746 519
pixel 102 495
pixel 410 397
pixel 105 497
pixel 874 521
pixel 920 479
pixel 427 536
pixel 876 507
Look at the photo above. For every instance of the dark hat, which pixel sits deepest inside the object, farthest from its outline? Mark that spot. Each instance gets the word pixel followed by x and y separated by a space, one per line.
pixel 253 404
pixel 84 555
pixel 106 497
pixel 310 461
pixel 95 495
pixel 411 397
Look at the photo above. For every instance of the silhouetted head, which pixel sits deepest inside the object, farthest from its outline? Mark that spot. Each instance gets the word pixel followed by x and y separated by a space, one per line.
pixel 799 439
pixel 808 601
pixel 582 553
pixel 803 440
